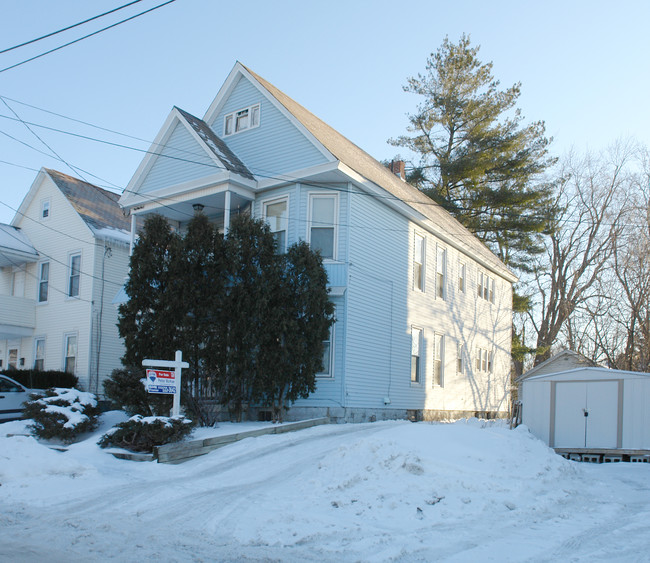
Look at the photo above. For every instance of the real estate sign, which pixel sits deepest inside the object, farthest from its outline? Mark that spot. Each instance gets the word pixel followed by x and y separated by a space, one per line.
pixel 161 381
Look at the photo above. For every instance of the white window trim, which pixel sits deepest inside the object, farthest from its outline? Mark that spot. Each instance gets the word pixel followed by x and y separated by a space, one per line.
pixel 36 340
pixel 421 356
pixel 462 275
pixel 330 374
pixel 272 201
pixel 233 116
pixel 69 279
pixel 485 283
pixel 45 205
pixel 437 335
pixel 440 248
pixel 65 351
pixel 423 274
pixel 485 361
pixel 323 195
pixel 40 280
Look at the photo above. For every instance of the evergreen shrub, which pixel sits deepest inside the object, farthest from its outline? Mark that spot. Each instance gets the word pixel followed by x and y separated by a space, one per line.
pixel 141 434
pixel 62 413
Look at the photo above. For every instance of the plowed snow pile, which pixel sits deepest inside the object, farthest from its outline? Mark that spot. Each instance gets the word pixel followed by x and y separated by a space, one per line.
pixel 389 491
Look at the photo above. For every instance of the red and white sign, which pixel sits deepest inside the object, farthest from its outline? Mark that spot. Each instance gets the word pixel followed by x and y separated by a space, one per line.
pixel 160 374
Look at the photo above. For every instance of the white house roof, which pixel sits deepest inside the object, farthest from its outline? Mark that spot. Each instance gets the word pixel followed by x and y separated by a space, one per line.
pixel 15 247
pixel 361 162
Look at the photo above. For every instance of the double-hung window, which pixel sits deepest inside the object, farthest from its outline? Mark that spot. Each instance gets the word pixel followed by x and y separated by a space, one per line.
pixel 74 276
pixel 276 214
pixel 438 358
pixel 460 361
pixel 419 253
pixel 485 287
pixel 43 281
pixel 45 209
pixel 483 360
pixel 70 359
pixel 461 277
pixel 416 347
pixel 441 265
pixel 39 354
pixel 322 224
pixel 327 355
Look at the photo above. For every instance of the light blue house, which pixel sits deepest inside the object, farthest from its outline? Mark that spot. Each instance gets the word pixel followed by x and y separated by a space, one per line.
pixel 423 308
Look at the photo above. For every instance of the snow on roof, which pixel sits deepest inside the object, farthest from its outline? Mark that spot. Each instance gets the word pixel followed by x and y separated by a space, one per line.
pixel 15 246
pixel 216 145
pixel 96 206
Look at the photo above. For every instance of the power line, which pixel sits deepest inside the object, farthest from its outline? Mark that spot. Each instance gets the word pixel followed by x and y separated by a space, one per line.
pixel 87 36
pixel 67 28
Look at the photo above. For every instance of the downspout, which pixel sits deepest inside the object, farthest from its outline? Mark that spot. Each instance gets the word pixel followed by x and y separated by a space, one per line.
pixel 226 213
pixel 108 252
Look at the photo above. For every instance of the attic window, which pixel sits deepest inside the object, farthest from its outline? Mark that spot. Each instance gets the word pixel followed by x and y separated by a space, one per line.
pixel 238 121
pixel 45 209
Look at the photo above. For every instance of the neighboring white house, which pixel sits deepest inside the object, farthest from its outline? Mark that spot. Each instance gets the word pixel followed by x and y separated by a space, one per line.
pixel 62 260
pixel 423 308
pixel 589 408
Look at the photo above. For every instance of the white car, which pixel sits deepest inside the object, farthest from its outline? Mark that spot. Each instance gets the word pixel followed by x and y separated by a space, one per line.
pixel 12 397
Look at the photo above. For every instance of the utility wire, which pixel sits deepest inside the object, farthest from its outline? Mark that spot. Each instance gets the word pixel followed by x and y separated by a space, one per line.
pixel 87 36
pixel 67 28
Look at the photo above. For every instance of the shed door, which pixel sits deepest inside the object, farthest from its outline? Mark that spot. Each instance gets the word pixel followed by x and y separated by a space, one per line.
pixel 586 414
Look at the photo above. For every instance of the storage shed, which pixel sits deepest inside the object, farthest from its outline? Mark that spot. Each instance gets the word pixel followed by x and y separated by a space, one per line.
pixel 589 408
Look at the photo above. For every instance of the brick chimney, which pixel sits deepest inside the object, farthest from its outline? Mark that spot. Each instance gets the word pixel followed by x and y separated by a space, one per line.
pixel 398 168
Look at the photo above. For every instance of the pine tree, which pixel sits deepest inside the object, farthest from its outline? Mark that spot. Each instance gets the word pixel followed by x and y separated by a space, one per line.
pixel 477 158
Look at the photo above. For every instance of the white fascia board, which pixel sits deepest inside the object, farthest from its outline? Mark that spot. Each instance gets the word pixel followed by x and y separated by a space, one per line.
pixel 31 194
pixel 419 218
pixel 239 70
pixel 188 191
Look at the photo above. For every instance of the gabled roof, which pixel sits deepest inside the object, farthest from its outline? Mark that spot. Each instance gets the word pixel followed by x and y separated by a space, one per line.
pixel 97 207
pixel 562 361
pixel 216 145
pixel 361 162
pixel 15 247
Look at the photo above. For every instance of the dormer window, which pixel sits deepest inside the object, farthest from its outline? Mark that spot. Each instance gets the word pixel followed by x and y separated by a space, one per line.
pixel 238 121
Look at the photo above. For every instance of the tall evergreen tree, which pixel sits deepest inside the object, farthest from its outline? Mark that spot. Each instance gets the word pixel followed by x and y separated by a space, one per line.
pixel 299 323
pixel 148 320
pixel 477 158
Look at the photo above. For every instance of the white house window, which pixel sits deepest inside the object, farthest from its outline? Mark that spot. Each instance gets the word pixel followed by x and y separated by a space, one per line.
pixel 483 360
pixel 441 259
pixel 74 275
pixel 485 287
pixel 322 224
pixel 70 353
pixel 461 277
pixel 460 363
pixel 416 347
pixel 39 354
pixel 43 281
pixel 242 120
pixel 276 214
pixel 438 359
pixel 327 355
pixel 45 209
pixel 419 253
pixel 12 362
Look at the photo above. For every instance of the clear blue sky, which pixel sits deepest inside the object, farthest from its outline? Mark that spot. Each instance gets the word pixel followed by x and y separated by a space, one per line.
pixel 584 68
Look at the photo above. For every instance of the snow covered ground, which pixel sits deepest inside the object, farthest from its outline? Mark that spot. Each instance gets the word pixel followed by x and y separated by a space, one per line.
pixel 387 491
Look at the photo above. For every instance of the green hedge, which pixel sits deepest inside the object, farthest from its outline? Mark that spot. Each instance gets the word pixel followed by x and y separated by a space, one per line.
pixel 36 379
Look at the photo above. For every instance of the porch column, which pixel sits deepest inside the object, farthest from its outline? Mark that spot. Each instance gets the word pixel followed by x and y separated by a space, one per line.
pixel 226 213
pixel 133 229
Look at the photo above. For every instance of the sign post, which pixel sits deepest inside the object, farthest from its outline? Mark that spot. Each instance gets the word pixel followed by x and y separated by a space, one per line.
pixel 166 382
